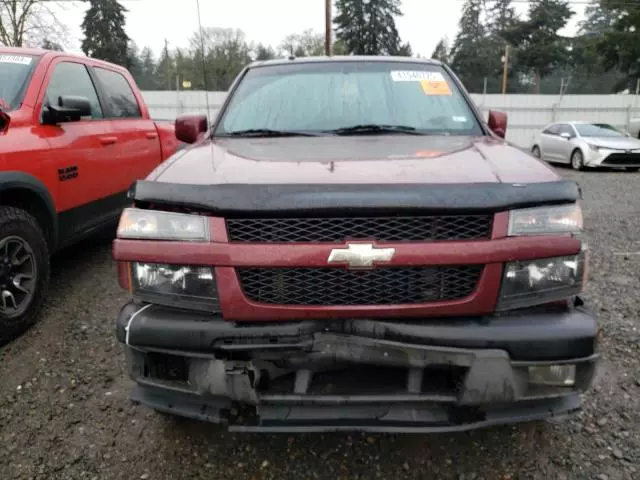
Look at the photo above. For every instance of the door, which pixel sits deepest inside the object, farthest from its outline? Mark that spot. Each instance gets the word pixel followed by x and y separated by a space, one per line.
pixel 78 150
pixel 548 143
pixel 139 144
pixel 565 145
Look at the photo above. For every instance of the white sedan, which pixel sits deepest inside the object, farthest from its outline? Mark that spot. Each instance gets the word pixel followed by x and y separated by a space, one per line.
pixel 585 144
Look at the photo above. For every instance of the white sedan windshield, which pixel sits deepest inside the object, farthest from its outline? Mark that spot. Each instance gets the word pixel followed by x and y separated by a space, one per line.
pixel 324 96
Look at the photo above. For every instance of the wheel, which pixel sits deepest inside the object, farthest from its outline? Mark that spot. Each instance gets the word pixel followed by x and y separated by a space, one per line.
pixel 24 272
pixel 535 151
pixel 577 160
pixel 633 169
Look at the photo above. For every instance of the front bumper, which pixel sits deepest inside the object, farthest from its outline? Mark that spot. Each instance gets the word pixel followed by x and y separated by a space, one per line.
pixel 613 158
pixel 421 375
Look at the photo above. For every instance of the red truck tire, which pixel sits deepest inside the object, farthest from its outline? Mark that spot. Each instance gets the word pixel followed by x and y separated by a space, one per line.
pixel 24 271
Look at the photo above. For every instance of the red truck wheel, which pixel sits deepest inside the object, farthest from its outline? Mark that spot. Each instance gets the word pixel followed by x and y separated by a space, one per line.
pixel 24 272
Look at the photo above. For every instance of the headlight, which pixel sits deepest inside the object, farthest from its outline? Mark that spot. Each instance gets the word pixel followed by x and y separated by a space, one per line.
pixel 595 148
pixel 535 282
pixel 175 285
pixel 159 225
pixel 545 220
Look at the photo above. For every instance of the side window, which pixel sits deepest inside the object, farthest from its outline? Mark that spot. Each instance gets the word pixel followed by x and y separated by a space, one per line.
pixel 551 130
pixel 70 78
pixel 122 101
pixel 564 128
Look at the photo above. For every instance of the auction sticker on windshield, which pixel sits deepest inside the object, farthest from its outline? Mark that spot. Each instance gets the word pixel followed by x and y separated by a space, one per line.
pixel 433 83
pixel 16 59
pixel 416 76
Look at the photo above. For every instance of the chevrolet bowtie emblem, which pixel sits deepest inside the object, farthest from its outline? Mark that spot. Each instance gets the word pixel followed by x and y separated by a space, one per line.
pixel 361 255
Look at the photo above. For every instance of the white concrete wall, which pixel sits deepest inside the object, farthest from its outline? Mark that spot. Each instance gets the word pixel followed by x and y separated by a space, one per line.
pixel 527 113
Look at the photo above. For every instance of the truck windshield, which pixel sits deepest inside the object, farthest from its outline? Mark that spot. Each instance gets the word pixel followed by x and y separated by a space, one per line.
pixel 15 71
pixel 343 97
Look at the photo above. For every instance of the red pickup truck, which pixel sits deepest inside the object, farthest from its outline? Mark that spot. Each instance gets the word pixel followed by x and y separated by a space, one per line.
pixel 351 246
pixel 75 133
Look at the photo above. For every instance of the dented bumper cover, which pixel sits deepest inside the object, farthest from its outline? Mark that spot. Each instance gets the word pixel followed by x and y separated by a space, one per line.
pixel 436 375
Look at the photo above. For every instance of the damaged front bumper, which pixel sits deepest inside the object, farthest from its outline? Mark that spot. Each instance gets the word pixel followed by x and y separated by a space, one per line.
pixel 422 376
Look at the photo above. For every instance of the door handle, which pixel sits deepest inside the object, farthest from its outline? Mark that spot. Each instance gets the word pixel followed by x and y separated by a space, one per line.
pixel 108 140
pixel 152 135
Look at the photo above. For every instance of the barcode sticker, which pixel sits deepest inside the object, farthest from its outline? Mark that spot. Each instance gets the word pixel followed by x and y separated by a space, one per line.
pixel 416 76
pixel 16 59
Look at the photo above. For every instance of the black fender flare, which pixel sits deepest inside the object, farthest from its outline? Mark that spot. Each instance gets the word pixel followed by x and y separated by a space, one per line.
pixel 16 179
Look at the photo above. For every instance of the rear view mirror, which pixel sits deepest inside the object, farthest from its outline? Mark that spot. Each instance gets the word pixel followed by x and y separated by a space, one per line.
pixel 69 109
pixel 498 123
pixel 189 128
pixel 566 135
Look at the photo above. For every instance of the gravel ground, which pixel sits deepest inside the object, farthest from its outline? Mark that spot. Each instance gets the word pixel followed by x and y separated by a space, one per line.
pixel 65 413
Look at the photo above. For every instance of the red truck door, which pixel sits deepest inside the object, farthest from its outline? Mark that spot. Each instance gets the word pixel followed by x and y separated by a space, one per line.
pixel 138 142
pixel 79 150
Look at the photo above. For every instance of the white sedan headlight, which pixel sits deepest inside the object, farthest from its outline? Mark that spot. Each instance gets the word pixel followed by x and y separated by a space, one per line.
pixel 552 220
pixel 141 224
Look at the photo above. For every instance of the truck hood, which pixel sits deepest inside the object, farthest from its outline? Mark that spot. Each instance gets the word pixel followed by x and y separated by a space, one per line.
pixel 381 159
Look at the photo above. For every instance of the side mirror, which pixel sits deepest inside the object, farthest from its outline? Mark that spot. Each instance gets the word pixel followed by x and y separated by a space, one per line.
pixel 189 128
pixel 566 135
pixel 498 123
pixel 69 109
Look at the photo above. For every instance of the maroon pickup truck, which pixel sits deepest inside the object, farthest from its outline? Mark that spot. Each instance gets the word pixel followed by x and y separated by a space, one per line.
pixel 349 246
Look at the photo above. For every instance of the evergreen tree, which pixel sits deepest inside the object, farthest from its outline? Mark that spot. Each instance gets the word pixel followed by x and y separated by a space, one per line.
pixel 147 66
pixel 442 52
pixel 501 16
pixel 105 36
pixel 619 45
pixel 369 28
pixel 471 50
pixel 165 70
pixel 588 75
pixel 133 62
pixel 264 52
pixel 540 49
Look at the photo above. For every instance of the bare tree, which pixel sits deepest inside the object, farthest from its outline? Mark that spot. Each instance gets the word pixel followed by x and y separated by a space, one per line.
pixel 29 22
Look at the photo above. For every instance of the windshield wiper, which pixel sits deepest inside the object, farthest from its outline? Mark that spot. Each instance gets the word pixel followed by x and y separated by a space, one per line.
pixel 375 128
pixel 266 132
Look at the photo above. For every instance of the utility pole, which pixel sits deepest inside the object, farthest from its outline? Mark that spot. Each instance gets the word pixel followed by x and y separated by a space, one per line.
pixel 505 69
pixel 327 27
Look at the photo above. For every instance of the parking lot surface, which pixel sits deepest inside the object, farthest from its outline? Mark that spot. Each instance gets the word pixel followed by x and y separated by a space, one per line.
pixel 65 411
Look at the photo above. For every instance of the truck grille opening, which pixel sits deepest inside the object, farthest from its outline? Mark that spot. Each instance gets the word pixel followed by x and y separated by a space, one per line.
pixel 354 379
pixel 337 286
pixel 337 230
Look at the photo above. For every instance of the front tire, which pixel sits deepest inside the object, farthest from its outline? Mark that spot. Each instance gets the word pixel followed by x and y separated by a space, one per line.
pixel 24 272
pixel 577 160
pixel 633 169
pixel 535 151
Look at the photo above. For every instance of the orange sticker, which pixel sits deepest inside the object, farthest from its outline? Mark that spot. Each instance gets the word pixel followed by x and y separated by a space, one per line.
pixel 428 153
pixel 435 87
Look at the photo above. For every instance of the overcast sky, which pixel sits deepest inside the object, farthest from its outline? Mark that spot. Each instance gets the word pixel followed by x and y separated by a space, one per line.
pixel 149 22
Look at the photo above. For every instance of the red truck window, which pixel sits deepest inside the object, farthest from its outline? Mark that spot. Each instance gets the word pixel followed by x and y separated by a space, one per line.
pixel 70 78
pixel 122 101
pixel 15 71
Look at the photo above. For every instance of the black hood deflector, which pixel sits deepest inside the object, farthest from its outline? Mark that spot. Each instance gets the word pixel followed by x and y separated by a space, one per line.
pixel 232 200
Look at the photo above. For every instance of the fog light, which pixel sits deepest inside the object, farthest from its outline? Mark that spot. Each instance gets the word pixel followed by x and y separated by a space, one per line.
pixel 553 375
